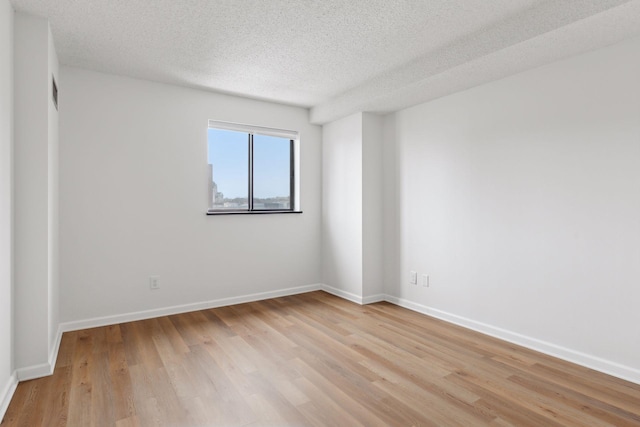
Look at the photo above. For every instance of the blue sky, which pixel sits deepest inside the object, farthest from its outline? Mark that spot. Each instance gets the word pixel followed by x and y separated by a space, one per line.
pixel 228 153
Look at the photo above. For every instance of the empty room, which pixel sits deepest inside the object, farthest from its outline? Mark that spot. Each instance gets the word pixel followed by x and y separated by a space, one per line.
pixel 319 213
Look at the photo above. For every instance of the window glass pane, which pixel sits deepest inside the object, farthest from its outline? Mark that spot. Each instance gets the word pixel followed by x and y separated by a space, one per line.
pixel 271 172
pixel 228 169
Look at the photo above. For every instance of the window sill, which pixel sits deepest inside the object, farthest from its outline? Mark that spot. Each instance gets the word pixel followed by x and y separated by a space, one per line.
pixel 213 213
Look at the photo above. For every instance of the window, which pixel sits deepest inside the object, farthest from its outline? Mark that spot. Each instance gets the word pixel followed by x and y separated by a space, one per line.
pixel 251 169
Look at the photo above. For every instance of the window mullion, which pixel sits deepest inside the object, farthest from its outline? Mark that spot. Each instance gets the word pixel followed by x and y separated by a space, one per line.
pixel 250 202
pixel 292 177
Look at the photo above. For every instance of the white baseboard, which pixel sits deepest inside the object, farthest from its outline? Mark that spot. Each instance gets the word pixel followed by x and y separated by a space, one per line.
pixel 589 361
pixel 354 297
pixel 34 371
pixel 53 351
pixel 177 309
pixel 606 366
pixel 371 299
pixel 342 294
pixel 6 393
pixel 43 369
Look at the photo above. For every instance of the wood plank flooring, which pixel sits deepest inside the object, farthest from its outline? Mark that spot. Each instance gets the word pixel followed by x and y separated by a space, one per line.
pixel 312 360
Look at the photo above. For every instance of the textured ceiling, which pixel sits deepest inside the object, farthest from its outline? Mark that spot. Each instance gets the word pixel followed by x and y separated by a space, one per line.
pixel 337 56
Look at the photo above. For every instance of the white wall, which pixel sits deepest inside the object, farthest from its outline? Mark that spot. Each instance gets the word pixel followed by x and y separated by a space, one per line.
pixel 35 194
pixel 342 205
pixel 521 199
pixel 7 382
pixel 372 206
pixel 352 207
pixel 390 202
pixel 52 200
pixel 133 185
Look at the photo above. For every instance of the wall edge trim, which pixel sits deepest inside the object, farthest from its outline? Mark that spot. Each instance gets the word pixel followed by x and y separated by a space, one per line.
pixel 53 351
pixel 7 394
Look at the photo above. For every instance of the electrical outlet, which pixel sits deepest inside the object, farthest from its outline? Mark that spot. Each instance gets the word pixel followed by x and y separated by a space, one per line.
pixel 154 282
pixel 413 277
pixel 425 280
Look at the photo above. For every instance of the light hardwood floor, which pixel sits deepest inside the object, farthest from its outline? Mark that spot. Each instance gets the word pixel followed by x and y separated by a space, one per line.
pixel 317 360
